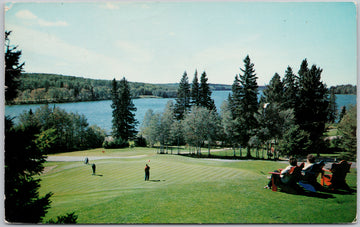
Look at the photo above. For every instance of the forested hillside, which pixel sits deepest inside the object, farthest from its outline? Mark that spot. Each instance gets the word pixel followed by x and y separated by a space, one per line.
pixel 53 88
pixel 344 89
pixel 48 88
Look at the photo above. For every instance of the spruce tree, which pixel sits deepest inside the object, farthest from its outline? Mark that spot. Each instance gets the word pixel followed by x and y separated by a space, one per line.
pixel 290 89
pixel 274 92
pixel 13 69
pixel 244 103
pixel 124 122
pixel 312 110
pixel 195 96
pixel 23 162
pixel 205 93
pixel 182 101
pixel 303 69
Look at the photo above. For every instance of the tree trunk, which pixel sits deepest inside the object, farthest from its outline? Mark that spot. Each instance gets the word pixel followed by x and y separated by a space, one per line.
pixel 248 155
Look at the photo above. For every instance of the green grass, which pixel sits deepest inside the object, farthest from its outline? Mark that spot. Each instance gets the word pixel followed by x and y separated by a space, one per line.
pixel 182 190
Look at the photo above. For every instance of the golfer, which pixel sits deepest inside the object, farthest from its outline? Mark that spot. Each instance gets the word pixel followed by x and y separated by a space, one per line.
pixel 147 172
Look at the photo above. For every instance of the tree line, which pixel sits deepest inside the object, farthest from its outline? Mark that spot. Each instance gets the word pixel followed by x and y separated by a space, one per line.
pixel 35 88
pixel 53 88
pixel 347 89
pixel 292 114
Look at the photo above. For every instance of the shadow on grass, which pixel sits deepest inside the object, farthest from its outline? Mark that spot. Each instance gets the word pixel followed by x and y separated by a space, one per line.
pixel 156 180
pixel 317 194
pixel 349 191
pixel 324 193
pixel 99 175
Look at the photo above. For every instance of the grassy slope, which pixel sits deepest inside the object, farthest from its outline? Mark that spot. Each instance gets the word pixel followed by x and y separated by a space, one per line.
pixel 184 190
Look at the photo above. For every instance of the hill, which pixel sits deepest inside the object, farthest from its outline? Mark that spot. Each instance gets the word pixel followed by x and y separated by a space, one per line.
pixel 38 88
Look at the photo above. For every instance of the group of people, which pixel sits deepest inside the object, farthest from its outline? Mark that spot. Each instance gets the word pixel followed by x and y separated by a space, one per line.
pixel 93 166
pixel 307 174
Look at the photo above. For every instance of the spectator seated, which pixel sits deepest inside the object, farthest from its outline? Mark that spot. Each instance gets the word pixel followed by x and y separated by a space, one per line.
pixel 309 177
pixel 291 186
pixel 336 180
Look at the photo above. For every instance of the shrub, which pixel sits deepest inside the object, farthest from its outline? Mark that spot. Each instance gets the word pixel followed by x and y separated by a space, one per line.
pixel 69 218
pixel 116 143
pixel 140 141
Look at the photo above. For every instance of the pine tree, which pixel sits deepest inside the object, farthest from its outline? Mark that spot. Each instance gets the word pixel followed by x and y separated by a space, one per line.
pixel 303 69
pixel 23 161
pixel 13 69
pixel 274 92
pixel 332 114
pixel 205 93
pixel 312 111
pixel 124 122
pixel 195 96
pixel 290 89
pixel 244 103
pixel 182 104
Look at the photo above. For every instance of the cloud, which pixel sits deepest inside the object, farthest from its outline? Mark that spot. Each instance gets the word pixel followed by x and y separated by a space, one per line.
pixel 27 15
pixel 52 24
pixel 47 53
pixel 110 6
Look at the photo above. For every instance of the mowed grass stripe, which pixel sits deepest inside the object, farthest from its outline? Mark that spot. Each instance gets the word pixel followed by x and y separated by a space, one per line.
pixel 185 190
pixel 118 174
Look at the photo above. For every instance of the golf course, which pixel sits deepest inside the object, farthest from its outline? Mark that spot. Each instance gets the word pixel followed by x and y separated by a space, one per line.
pixel 181 190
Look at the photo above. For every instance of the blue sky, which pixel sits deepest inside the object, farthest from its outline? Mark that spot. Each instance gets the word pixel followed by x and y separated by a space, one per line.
pixel 156 42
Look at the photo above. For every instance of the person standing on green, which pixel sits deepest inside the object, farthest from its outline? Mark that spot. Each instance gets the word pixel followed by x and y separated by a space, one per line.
pixel 93 166
pixel 147 172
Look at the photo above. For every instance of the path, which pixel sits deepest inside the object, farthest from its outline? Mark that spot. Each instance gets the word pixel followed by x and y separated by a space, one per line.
pixel 53 158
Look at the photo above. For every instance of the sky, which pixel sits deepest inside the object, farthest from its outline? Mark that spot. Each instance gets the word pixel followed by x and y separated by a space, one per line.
pixel 156 42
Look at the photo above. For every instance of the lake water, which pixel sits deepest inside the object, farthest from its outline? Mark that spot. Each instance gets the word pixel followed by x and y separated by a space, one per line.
pixel 100 112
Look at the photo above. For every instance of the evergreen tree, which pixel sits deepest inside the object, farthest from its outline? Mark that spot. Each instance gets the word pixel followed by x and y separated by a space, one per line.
pixel 182 104
pixel 205 93
pixel 312 111
pixel 124 122
pixel 195 96
pixel 274 92
pixel 23 161
pixel 332 112
pixel 290 89
pixel 244 103
pixel 13 69
pixel 303 69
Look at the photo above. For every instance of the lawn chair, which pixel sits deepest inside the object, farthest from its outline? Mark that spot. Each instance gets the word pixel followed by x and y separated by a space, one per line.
pixel 336 180
pixel 309 177
pixel 291 186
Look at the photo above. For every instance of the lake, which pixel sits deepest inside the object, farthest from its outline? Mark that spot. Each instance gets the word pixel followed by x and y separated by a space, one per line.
pixel 100 112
